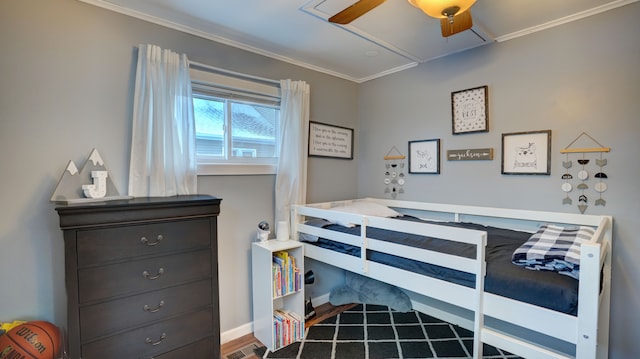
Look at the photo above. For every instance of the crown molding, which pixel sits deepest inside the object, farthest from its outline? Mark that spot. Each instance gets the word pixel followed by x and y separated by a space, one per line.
pixel 205 35
pixel 577 16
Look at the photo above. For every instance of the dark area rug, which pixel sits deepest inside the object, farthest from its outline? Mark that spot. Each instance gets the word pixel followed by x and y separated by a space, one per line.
pixel 377 332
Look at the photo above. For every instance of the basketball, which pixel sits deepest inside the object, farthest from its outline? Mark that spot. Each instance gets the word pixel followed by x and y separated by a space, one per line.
pixel 36 340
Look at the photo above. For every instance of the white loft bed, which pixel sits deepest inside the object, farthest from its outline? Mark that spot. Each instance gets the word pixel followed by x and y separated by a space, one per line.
pixel 521 328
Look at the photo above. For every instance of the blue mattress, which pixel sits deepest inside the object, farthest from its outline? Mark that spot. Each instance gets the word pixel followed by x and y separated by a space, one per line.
pixel 545 289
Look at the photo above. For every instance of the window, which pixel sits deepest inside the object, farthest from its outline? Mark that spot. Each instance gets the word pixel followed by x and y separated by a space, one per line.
pixel 237 125
pixel 234 132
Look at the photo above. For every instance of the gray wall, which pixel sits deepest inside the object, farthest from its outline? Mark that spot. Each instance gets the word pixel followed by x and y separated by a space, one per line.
pixel 67 71
pixel 581 76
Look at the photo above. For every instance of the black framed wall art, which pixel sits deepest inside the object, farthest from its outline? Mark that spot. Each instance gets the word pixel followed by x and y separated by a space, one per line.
pixel 470 110
pixel 424 156
pixel 526 153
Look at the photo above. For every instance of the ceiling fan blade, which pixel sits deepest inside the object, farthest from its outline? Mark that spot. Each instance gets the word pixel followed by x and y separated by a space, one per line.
pixel 354 11
pixel 461 22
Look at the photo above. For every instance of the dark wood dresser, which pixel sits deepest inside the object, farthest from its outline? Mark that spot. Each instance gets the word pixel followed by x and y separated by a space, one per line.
pixel 142 278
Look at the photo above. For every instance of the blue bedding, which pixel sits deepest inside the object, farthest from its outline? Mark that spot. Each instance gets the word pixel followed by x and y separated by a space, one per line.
pixel 545 289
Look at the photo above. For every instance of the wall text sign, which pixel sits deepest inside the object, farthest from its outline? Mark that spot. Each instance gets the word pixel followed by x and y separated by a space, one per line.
pixel 330 141
pixel 470 154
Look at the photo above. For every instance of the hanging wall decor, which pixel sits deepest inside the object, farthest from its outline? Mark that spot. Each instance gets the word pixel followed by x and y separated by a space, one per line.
pixel 424 156
pixel 470 110
pixel 583 175
pixel 330 141
pixel 394 176
pixel 526 153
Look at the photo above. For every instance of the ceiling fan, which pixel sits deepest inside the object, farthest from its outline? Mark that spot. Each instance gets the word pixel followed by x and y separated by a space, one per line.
pixel 454 15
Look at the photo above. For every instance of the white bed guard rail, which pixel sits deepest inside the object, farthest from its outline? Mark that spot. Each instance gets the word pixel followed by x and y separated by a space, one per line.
pixel 586 333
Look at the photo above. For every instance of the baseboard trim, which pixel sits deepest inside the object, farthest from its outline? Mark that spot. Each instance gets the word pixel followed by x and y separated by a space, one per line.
pixel 236 333
pixel 320 299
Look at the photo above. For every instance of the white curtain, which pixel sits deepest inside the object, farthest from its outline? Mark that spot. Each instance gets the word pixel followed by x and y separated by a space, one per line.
pixel 163 154
pixel 291 178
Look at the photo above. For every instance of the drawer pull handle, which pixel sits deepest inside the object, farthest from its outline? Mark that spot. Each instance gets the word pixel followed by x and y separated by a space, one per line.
pixel 150 277
pixel 162 337
pixel 153 310
pixel 159 239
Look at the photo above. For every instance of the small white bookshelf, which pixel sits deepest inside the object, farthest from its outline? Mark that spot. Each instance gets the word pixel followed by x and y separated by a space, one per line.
pixel 267 300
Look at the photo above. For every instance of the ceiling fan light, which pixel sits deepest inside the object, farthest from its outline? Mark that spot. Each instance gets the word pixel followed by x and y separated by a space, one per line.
pixel 440 9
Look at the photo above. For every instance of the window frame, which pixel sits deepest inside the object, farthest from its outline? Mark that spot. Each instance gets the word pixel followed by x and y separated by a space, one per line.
pixel 236 89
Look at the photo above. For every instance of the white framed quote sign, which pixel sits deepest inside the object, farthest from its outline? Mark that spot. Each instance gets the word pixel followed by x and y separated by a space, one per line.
pixel 330 141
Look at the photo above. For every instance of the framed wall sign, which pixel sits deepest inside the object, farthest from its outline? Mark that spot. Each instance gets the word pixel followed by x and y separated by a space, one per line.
pixel 470 110
pixel 424 156
pixel 330 141
pixel 526 153
pixel 470 154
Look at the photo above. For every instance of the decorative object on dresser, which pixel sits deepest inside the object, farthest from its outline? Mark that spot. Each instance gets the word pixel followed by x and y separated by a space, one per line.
pixel 142 277
pixel 91 183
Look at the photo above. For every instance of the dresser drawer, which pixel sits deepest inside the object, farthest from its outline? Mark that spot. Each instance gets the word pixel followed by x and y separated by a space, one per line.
pixel 103 245
pixel 141 276
pixel 116 315
pixel 153 340
pixel 202 349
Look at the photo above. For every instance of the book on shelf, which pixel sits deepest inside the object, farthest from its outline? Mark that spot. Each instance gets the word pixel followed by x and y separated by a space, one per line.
pixel 288 327
pixel 282 257
pixel 286 275
pixel 276 272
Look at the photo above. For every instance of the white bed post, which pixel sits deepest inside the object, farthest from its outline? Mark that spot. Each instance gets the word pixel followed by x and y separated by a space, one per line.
pixel 605 300
pixel 593 303
pixel 605 303
pixel 479 314
pixel 588 301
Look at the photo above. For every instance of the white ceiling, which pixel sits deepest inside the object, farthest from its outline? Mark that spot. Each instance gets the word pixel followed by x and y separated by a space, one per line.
pixel 392 37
